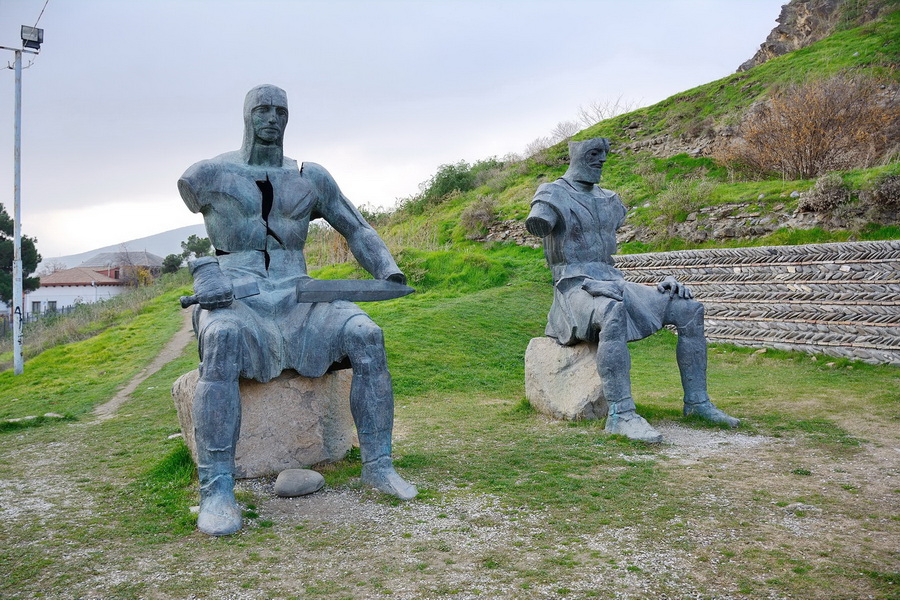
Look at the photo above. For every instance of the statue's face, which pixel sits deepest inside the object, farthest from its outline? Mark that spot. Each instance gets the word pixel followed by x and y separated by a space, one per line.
pixel 268 123
pixel 591 162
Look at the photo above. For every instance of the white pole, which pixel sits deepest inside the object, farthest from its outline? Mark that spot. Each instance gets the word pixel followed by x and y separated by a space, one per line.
pixel 17 226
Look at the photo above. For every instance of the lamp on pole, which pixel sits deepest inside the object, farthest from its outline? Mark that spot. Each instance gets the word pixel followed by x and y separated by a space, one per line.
pixel 32 38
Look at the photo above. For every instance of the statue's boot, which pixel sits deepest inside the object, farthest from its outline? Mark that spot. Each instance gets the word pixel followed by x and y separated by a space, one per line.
pixel 378 468
pixel 216 427
pixel 372 407
pixel 614 367
pixel 705 409
pixel 630 424
pixel 219 511
pixel 691 354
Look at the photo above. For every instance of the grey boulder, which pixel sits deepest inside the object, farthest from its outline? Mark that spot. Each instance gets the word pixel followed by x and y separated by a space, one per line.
pixel 298 482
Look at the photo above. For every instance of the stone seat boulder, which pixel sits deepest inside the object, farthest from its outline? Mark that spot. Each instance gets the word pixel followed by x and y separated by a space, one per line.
pixel 562 381
pixel 288 423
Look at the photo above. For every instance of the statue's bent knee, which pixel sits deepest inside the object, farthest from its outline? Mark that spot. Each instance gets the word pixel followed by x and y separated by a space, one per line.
pixel 364 339
pixel 611 320
pixel 220 350
pixel 687 314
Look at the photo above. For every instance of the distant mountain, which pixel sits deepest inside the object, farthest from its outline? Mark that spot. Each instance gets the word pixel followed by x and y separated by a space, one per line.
pixel 162 244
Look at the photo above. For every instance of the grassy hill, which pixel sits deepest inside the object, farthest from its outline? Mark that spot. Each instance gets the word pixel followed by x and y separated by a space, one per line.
pixel 463 200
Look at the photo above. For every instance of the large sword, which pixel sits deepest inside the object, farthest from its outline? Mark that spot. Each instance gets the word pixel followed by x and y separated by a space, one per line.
pixel 352 290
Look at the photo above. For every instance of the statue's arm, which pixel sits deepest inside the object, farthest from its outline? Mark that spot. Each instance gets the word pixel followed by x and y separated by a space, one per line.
pixel 190 184
pixel 368 249
pixel 542 219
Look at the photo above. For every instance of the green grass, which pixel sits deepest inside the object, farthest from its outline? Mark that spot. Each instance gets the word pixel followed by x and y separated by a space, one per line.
pixel 456 360
pixel 71 379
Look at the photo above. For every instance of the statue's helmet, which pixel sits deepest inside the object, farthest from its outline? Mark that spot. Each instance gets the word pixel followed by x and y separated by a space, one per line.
pixel 585 164
pixel 579 150
pixel 261 95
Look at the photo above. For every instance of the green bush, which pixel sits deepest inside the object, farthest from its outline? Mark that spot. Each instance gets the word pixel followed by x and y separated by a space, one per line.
pixel 478 216
pixel 829 192
pixel 884 193
pixel 682 198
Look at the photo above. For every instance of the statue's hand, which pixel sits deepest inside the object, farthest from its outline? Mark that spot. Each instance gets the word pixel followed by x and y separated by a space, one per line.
pixel 212 288
pixel 671 286
pixel 609 289
pixel 397 278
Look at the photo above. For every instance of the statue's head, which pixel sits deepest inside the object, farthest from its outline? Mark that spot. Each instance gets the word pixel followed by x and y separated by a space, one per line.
pixel 265 116
pixel 586 160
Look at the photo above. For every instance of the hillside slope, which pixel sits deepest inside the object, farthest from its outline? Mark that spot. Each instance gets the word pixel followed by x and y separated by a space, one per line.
pixel 665 166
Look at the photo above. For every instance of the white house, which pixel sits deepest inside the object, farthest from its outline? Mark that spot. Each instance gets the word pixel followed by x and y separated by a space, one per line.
pixel 69 287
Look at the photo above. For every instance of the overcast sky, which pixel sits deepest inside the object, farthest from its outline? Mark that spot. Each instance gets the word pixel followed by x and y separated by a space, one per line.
pixel 126 94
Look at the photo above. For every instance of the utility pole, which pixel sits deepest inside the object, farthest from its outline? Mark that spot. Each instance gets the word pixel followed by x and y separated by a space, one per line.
pixel 32 37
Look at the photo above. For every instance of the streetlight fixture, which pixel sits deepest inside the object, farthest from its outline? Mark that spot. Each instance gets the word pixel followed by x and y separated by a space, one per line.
pixel 32 38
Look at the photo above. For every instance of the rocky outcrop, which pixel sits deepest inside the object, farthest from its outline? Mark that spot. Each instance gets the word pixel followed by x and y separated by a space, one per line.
pixel 720 222
pixel 803 22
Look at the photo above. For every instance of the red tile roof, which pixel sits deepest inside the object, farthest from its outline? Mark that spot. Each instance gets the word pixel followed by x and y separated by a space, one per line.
pixel 78 276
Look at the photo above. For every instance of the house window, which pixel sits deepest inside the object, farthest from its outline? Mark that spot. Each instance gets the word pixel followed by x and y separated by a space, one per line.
pixel 51 305
pixel 36 308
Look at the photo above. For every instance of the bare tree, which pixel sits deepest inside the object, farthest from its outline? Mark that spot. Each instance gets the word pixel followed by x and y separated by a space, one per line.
pixel 819 126
pixel 537 146
pixel 600 110
pixel 51 266
pixel 563 131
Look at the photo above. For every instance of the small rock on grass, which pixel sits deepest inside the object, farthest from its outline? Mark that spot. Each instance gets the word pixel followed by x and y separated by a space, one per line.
pixel 298 482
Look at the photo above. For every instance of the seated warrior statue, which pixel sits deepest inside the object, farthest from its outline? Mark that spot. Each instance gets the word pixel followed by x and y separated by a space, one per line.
pixel 592 302
pixel 257 205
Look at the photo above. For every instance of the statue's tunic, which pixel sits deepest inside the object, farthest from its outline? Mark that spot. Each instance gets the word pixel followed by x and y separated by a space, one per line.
pixel 579 248
pixel 258 219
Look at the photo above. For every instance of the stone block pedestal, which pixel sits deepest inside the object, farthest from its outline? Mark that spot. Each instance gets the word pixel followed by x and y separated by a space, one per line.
pixel 562 381
pixel 288 423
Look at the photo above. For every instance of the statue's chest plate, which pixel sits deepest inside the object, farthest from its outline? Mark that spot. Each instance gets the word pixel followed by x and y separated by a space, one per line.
pixel 251 208
pixel 593 217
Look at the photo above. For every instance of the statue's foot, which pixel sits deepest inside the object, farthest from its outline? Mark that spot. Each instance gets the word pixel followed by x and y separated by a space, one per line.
pixel 219 511
pixel 380 474
pixel 708 411
pixel 633 426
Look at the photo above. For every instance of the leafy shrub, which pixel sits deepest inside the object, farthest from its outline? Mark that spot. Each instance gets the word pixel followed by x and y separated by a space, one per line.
pixel 828 193
pixel 449 178
pixel 172 263
pixel 884 193
pixel 682 198
pixel 478 216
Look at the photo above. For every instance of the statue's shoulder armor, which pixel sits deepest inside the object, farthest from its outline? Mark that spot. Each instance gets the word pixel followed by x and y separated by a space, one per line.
pixel 549 192
pixel 219 175
pixel 317 175
pixel 616 201
pixel 323 183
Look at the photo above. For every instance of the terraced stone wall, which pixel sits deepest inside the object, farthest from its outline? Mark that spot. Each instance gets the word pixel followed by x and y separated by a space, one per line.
pixel 837 299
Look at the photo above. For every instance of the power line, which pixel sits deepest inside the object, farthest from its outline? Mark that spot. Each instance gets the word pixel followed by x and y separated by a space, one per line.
pixel 46 2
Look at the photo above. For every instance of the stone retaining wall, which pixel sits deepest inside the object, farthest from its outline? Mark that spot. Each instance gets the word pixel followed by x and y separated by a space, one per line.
pixel 838 299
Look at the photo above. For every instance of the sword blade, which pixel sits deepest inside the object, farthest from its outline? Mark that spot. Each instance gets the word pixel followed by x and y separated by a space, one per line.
pixel 352 290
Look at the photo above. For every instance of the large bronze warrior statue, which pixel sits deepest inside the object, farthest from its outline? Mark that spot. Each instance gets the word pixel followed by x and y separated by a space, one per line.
pixel 592 302
pixel 257 205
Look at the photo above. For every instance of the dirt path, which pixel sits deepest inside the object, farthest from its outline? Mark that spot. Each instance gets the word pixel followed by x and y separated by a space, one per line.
pixel 170 352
